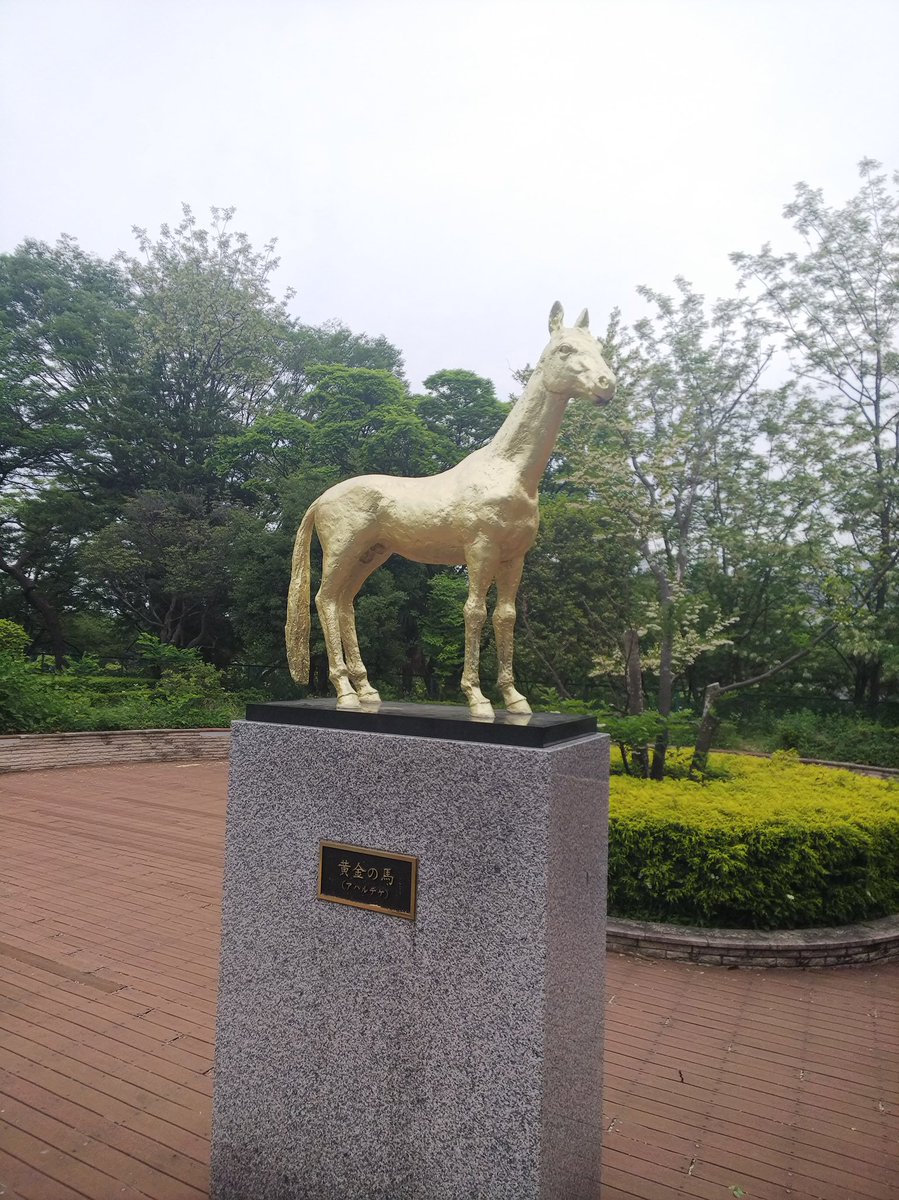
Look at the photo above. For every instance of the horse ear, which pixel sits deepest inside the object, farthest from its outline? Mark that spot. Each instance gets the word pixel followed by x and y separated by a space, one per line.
pixel 556 317
pixel 583 321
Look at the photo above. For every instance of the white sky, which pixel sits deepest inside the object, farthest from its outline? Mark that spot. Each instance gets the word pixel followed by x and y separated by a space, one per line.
pixel 440 171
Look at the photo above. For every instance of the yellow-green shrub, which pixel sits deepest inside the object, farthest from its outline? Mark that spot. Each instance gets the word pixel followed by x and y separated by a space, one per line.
pixel 774 845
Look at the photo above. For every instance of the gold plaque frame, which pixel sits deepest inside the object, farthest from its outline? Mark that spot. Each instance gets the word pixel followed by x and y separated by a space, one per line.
pixel 345 847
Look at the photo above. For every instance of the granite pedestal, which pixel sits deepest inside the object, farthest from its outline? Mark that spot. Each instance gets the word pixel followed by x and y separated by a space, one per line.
pixel 360 1056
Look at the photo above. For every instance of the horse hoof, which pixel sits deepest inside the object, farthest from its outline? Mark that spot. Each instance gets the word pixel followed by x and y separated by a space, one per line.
pixel 369 696
pixel 482 711
pixel 519 706
pixel 349 701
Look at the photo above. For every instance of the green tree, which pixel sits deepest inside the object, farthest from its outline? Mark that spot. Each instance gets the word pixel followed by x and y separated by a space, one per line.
pixel 688 411
pixel 363 421
pixel 212 339
pixel 66 355
pixel 335 344
pixel 462 409
pixel 442 628
pixel 576 594
pixel 161 565
pixel 835 304
pixel 41 538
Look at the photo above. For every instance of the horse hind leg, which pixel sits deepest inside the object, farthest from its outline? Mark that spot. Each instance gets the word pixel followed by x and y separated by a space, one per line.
pixel 327 601
pixel 355 666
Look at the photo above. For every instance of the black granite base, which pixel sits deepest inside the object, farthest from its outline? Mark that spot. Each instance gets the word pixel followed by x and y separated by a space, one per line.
pixel 452 722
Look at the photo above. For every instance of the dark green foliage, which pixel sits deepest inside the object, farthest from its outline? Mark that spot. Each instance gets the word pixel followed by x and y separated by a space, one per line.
pixel 162 562
pixel 837 738
pixel 442 626
pixel 67 344
pixel 334 344
pixel 186 693
pixel 832 737
pixel 27 703
pixel 573 598
pixel 462 409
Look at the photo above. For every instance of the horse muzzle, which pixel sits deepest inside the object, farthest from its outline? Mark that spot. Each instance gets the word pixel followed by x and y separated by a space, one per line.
pixel 605 389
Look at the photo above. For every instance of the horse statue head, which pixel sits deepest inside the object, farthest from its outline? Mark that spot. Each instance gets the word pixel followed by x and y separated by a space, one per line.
pixel 572 362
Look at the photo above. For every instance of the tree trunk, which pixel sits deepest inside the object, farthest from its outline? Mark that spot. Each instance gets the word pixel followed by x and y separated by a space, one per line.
pixel 708 727
pixel 866 683
pixel 634 675
pixel 666 683
pixel 874 681
pixel 41 605
pixel 52 625
pixel 635 704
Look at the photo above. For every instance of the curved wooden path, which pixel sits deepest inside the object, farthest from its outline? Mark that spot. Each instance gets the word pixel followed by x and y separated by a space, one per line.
pixel 719 1083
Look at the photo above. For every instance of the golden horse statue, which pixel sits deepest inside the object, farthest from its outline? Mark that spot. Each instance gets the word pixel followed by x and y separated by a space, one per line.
pixel 483 512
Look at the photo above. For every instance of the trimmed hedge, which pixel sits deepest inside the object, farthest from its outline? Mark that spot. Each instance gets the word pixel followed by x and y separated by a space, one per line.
pixel 774 845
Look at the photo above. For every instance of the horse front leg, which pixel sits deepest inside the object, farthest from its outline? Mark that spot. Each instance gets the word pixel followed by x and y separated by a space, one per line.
pixel 508 577
pixel 481 567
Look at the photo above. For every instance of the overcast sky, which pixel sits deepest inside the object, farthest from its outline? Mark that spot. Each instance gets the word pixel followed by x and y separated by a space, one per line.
pixel 437 171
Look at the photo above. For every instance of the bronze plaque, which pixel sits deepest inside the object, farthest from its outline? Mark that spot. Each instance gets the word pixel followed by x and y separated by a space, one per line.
pixel 372 879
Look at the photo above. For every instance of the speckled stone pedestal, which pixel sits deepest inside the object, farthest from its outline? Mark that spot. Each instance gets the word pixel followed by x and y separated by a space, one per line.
pixel 360 1056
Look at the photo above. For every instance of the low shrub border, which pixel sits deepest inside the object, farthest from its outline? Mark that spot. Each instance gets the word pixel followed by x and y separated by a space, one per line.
pixel 844 945
pixel 760 844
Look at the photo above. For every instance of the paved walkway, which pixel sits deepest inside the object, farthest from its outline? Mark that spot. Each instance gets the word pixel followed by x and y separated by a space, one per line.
pixel 719 1083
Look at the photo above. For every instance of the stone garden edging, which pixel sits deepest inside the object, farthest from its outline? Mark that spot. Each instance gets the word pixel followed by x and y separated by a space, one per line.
pixel 844 945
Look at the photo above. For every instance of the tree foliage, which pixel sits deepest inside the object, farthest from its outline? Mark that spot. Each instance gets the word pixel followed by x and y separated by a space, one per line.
pixel 732 515
pixel 835 304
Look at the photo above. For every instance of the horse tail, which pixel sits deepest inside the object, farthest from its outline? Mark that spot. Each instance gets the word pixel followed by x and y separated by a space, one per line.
pixel 299 617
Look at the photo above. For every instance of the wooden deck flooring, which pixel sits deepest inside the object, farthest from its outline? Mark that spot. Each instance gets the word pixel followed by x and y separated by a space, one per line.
pixel 719 1083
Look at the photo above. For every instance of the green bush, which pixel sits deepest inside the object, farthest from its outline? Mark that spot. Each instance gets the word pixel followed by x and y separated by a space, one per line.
pixel 27 703
pixel 768 845
pixel 838 738
pixel 13 638
pixel 188 694
pixel 630 734
pixel 98 685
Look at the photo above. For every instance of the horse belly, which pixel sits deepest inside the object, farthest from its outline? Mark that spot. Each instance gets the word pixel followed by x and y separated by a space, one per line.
pixel 432 540
pixel 428 521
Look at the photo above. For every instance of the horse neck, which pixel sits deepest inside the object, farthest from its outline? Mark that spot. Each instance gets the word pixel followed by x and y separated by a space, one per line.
pixel 527 436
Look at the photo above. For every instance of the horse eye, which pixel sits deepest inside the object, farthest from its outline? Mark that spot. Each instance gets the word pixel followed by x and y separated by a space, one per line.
pixel 566 350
